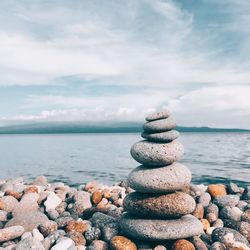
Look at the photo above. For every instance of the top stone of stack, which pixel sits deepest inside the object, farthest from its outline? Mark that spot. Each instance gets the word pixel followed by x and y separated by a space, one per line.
pixel 160 147
pixel 158 115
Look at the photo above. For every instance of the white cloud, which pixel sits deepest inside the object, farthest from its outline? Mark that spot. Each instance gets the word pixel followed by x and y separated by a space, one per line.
pixel 154 45
pixel 164 54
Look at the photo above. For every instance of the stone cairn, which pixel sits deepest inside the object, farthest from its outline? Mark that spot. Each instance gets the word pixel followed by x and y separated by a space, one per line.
pixel 160 208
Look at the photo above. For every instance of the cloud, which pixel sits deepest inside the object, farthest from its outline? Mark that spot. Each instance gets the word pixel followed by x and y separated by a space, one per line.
pixel 167 53
pixel 162 49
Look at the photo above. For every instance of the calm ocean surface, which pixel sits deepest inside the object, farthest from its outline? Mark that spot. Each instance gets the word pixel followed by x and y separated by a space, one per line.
pixel 79 158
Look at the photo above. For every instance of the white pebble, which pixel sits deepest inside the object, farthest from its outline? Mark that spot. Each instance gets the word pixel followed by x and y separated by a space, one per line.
pixel 52 201
pixel 37 235
pixel 64 244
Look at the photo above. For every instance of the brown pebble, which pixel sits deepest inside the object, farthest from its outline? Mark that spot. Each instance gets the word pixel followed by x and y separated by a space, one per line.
pixel 216 190
pixel 122 243
pixel 47 228
pixel 205 224
pixel 96 197
pixel 211 217
pixel 31 189
pixel 183 245
pixel 199 211
pixel 77 237
pixel 80 226
pixel 8 203
pixel 99 245
pixel 13 194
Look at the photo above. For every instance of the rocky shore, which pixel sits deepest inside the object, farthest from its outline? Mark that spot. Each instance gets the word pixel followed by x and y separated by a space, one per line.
pixel 41 215
pixel 156 208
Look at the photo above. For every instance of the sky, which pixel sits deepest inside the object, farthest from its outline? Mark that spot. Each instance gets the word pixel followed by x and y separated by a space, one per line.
pixel 117 60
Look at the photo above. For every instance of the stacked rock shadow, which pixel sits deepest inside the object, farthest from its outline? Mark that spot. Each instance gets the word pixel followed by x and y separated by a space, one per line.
pixel 159 209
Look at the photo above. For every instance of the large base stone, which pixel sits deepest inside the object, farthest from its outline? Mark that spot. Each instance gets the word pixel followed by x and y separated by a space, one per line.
pixel 160 230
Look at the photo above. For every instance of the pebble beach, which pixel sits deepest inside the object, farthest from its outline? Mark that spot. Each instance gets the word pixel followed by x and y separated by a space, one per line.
pixel 156 208
pixel 42 215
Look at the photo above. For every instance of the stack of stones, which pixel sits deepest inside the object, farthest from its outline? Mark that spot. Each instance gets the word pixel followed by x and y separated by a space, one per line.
pixel 160 207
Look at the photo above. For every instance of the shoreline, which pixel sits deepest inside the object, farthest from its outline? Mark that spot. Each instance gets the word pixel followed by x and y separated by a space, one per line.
pixel 56 216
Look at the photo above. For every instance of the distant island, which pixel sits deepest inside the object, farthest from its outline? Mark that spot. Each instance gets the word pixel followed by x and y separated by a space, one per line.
pixel 80 127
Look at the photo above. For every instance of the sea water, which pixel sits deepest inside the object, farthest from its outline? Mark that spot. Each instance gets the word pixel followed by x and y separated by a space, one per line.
pixel 79 158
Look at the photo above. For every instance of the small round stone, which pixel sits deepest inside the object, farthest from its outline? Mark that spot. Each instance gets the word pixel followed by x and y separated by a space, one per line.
pixel 122 243
pixel 158 115
pixel 246 216
pixel 92 234
pixel 217 190
pixel 205 224
pixel 204 199
pixel 96 197
pixel 183 245
pixel 212 208
pixel 8 203
pixel 219 233
pixel 98 245
pixel 217 246
pixel 161 125
pixel 157 154
pixel 211 217
pixel 29 243
pixel 10 233
pixel 232 213
pixel 226 200
pixel 167 179
pixel 156 229
pixel 77 237
pixel 159 206
pixel 199 211
pixel 167 136
pixel 79 226
pixel 198 243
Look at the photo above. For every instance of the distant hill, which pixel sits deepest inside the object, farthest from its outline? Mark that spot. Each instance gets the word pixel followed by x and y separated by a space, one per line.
pixel 79 127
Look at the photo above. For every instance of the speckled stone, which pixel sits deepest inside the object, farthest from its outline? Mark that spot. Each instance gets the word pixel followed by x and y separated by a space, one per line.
pixel 183 245
pixel 10 233
pixel 171 206
pixel 219 233
pixel 161 125
pixel 246 216
pixel 122 243
pixel 159 180
pixel 157 154
pixel 167 136
pixel 28 220
pixel 232 213
pixel 29 243
pixel 226 200
pixel 216 190
pixel 147 229
pixel 158 115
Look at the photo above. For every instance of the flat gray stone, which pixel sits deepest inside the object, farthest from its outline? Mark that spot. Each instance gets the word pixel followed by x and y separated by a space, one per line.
pixel 167 136
pixel 219 233
pixel 230 200
pixel 161 125
pixel 160 206
pixel 158 115
pixel 29 220
pixel 165 179
pixel 29 243
pixel 11 233
pixel 157 154
pixel 160 230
